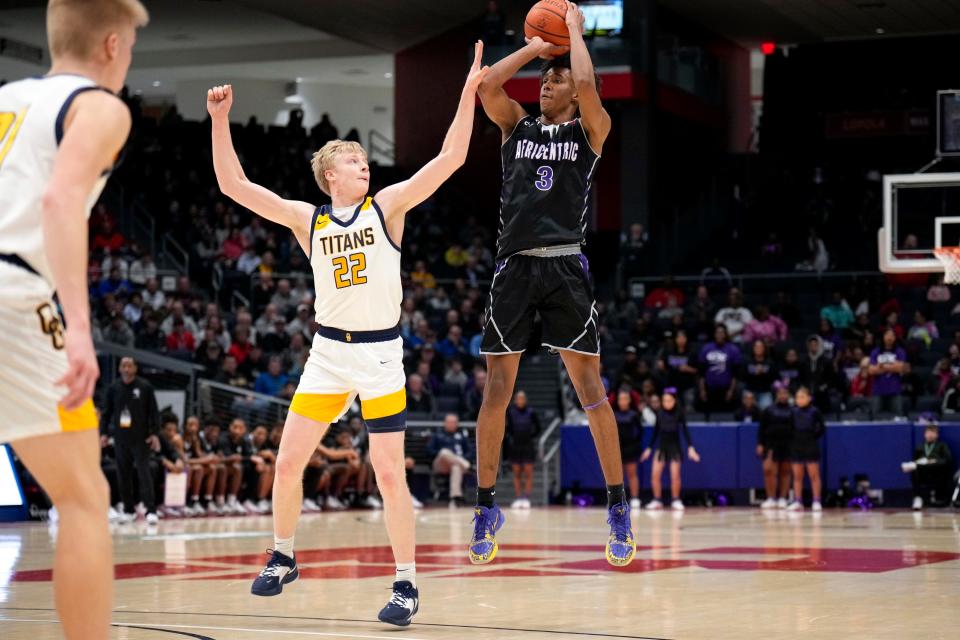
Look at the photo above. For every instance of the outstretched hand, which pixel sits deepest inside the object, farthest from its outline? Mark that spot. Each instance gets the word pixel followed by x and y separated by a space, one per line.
pixel 546 50
pixel 477 72
pixel 219 100
pixel 575 18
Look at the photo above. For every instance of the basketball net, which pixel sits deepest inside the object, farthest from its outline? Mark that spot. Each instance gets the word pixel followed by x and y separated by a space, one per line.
pixel 950 258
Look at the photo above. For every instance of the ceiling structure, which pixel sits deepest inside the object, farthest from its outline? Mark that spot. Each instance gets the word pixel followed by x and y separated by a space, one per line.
pixel 799 21
pixel 352 42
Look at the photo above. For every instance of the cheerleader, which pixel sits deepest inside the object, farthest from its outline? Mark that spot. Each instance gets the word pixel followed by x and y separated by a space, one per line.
pixel 670 423
pixel 630 430
pixel 808 427
pixel 773 447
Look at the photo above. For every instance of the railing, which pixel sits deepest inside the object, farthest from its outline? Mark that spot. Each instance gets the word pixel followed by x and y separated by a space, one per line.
pixel 308 278
pixel 175 253
pixel 236 296
pixel 167 372
pixel 143 227
pixel 226 402
pixel 381 145
pixel 742 280
pixel 547 457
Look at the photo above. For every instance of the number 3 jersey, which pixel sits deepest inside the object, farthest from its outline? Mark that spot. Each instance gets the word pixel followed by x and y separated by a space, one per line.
pixel 32 114
pixel 356 268
pixel 547 172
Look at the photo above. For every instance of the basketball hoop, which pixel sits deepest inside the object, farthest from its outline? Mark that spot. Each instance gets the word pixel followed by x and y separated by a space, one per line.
pixel 950 258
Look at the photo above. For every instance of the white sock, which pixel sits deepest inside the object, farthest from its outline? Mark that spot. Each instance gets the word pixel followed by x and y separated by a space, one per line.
pixel 284 545
pixel 407 571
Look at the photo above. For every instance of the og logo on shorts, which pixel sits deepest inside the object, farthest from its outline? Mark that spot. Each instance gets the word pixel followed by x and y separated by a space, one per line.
pixel 50 324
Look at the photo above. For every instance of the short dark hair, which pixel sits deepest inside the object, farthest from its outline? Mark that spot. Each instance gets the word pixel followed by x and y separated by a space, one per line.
pixel 563 62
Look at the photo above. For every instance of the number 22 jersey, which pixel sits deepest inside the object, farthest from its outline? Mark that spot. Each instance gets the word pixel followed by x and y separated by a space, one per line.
pixel 356 268
pixel 547 173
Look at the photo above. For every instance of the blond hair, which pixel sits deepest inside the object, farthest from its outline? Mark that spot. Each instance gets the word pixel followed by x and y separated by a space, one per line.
pixel 75 27
pixel 327 156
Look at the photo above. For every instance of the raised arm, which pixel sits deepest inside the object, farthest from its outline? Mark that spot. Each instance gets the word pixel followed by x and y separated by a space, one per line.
pixel 293 214
pixel 399 198
pixel 97 125
pixel 595 119
pixel 499 107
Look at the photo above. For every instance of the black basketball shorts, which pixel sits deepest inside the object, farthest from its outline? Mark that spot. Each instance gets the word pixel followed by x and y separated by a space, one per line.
pixel 558 288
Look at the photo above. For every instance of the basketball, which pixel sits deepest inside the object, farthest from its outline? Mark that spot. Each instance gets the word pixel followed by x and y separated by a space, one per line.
pixel 547 19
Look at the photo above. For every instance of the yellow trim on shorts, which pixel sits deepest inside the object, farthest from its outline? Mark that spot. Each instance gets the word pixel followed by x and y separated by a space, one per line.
pixel 322 407
pixel 388 405
pixel 83 418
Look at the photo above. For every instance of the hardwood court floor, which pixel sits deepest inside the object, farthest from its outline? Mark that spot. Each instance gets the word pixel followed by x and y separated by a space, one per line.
pixel 722 573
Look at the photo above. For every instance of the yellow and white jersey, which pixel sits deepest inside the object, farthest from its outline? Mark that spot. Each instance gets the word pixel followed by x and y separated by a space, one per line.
pixel 32 114
pixel 356 268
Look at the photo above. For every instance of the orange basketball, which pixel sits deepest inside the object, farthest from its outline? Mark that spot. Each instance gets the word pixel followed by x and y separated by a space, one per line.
pixel 547 19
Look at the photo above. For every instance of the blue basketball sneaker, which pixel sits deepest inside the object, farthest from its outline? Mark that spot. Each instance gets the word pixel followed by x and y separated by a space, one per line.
pixel 486 523
pixel 621 547
pixel 403 605
pixel 280 570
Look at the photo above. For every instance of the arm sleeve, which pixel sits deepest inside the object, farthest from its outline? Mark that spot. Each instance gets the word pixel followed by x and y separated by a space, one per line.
pixel 106 414
pixel 686 431
pixel 762 427
pixel 536 424
pixel 153 411
pixel 638 428
pixel 943 455
pixel 656 434
pixel 819 426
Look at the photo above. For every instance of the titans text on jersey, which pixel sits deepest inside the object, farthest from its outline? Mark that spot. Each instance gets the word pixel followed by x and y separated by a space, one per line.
pixel 340 243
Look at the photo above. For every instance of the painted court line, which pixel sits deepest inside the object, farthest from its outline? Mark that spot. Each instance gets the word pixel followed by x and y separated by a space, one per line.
pixel 326 634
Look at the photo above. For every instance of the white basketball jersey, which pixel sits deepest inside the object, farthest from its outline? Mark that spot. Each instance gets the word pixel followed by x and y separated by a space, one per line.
pixel 32 112
pixel 356 268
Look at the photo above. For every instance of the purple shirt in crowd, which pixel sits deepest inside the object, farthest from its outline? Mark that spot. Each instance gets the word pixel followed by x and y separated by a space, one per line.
pixel 719 363
pixel 887 384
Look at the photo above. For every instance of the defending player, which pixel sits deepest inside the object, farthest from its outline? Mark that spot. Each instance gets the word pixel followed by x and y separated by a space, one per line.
pixel 548 164
pixel 354 248
pixel 59 137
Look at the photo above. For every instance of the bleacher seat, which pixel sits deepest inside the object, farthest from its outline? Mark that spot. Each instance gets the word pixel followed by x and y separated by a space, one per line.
pixel 928 403
pixel 721 417
pixel 448 404
pixel 450 389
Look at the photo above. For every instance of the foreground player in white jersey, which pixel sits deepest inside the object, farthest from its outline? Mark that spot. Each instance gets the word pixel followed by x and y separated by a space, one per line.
pixel 354 249
pixel 59 137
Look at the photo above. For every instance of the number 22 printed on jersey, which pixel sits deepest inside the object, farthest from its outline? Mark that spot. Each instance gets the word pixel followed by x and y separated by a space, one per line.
pixel 9 126
pixel 353 266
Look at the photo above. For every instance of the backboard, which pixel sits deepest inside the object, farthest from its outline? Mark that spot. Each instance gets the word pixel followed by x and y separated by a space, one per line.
pixel 920 212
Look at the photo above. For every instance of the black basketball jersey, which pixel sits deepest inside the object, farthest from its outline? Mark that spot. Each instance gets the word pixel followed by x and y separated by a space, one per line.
pixel 547 171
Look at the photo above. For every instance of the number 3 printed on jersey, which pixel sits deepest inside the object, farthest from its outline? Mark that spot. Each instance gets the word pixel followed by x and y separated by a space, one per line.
pixel 546 178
